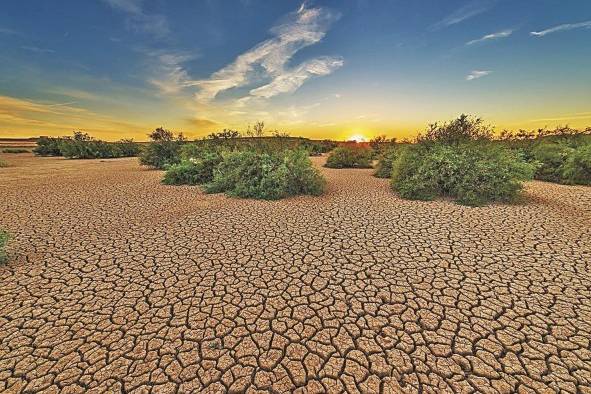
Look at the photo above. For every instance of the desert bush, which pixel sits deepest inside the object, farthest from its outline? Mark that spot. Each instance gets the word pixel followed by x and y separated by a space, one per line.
pixel 461 130
pixel 550 159
pixel 15 150
pixel 82 146
pixel 194 170
pixel 3 240
pixel 576 169
pixel 381 144
pixel 268 176
pixel 48 146
pixel 128 148
pixel 349 157
pixel 3 163
pixel 386 160
pixel 163 150
pixel 472 173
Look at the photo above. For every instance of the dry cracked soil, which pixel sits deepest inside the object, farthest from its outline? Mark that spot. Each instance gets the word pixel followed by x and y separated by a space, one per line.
pixel 117 283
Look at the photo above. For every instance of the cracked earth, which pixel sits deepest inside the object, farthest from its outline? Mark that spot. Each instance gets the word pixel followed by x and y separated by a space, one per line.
pixel 117 283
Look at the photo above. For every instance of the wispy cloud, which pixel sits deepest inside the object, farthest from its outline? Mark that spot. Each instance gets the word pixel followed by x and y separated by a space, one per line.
pixel 291 80
pixel 469 10
pixel 172 76
pixel 565 27
pixel 492 36
pixel 37 49
pixel 139 20
pixel 477 74
pixel 305 27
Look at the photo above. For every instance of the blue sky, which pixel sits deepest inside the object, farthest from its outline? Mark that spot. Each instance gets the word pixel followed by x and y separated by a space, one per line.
pixel 118 68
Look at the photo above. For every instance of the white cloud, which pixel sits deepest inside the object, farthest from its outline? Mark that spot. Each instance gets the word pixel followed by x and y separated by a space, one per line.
pixel 565 27
pixel 139 20
pixel 492 36
pixel 477 74
pixel 300 29
pixel 172 76
pixel 470 10
pixel 291 80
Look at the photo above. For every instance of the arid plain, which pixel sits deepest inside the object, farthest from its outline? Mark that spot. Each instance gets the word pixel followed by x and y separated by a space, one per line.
pixel 117 283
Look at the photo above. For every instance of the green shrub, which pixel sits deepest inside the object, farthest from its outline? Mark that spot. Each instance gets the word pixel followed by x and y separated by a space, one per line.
pixel 349 157
pixel 163 151
pixel 83 146
pixel 461 130
pixel 128 148
pixel 386 160
pixel 472 173
pixel 3 163
pixel 15 150
pixel 576 169
pixel 193 171
pixel 3 240
pixel 550 159
pixel 48 146
pixel 267 176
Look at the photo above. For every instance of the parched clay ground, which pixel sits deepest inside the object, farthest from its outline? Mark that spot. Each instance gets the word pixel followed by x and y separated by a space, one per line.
pixel 120 284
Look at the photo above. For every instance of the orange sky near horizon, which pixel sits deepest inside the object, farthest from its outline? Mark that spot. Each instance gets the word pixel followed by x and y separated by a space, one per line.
pixel 26 118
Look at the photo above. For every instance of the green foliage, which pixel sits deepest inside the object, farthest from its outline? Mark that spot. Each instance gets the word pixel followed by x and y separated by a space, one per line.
pixel 128 148
pixel 380 144
pixel 163 151
pixel 386 160
pixel 461 130
pixel 15 150
pixel 82 146
pixel 317 148
pixel 48 146
pixel 576 169
pixel 472 173
pixel 550 159
pixel 3 241
pixel 194 170
pixel 3 163
pixel 267 176
pixel 349 157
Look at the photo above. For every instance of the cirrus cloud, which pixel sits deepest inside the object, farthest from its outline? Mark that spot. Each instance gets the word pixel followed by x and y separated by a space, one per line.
pixel 564 27
pixel 477 74
pixel 492 36
pixel 300 29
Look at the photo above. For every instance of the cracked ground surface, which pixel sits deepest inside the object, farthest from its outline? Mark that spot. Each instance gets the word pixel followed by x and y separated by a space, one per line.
pixel 120 284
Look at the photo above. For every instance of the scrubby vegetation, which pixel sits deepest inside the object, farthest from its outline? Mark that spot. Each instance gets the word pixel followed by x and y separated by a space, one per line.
pixel 258 167
pixel 3 163
pixel 459 160
pixel 386 160
pixel 268 176
pixel 349 157
pixel 3 240
pixel 15 150
pixel 381 144
pixel 196 167
pixel 163 150
pixel 82 146
pixel 561 155
pixel 48 146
